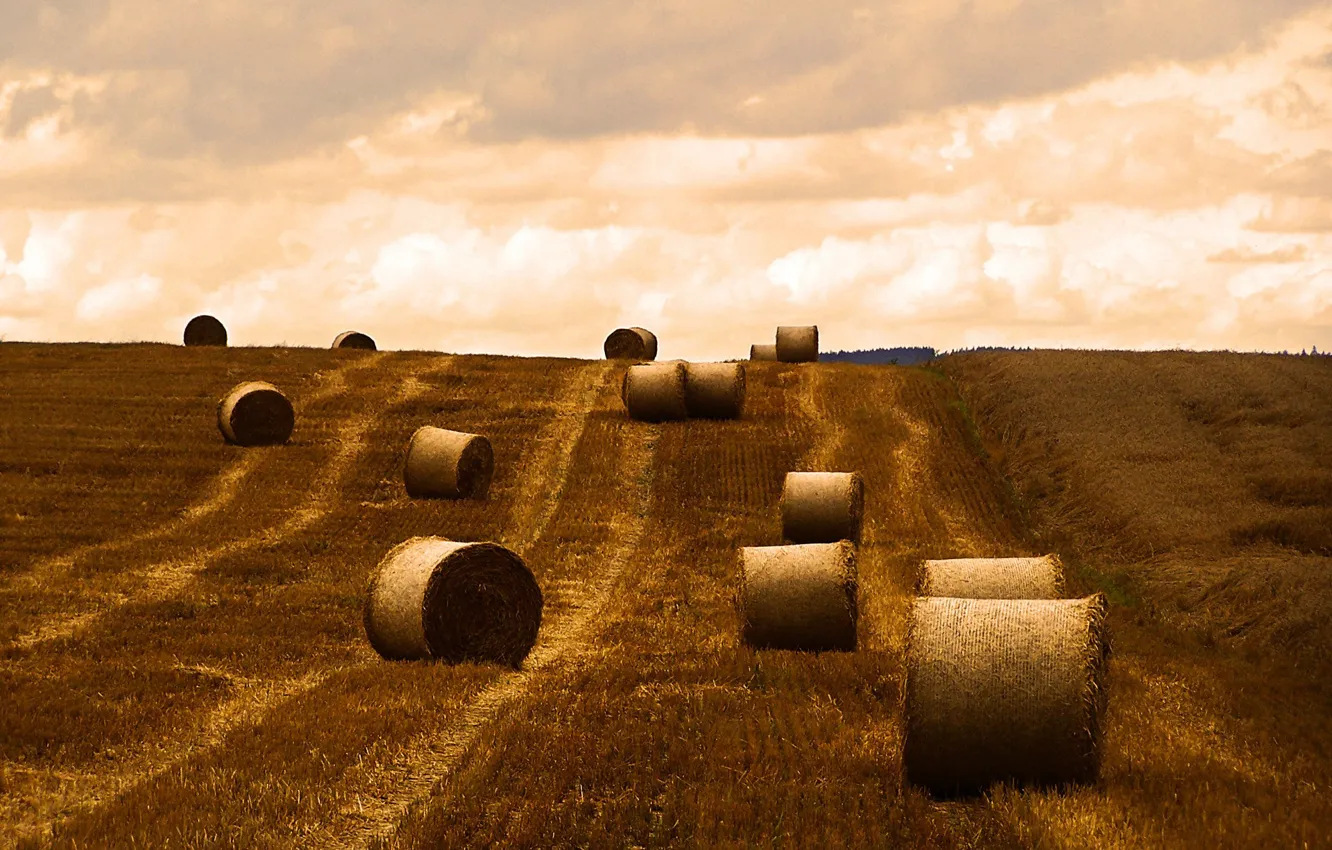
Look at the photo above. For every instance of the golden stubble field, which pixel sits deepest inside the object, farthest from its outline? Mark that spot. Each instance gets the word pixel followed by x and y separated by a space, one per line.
pixel 182 659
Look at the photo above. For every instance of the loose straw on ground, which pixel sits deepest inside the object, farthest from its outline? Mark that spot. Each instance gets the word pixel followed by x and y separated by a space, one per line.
pixel 437 598
pixel 799 597
pixel 655 392
pixel 715 390
pixel 1004 689
pixel 798 344
pixel 205 330
pixel 994 578
pixel 354 339
pixel 448 464
pixel 762 352
pixel 822 507
pixel 631 344
pixel 255 413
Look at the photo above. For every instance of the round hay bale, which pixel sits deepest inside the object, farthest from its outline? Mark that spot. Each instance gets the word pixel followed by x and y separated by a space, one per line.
pixel 205 330
pixel 762 352
pixel 631 344
pixel 448 464
pixel 798 344
pixel 255 413
pixel 1004 690
pixel 354 339
pixel 655 392
pixel 715 390
pixel 994 578
pixel 436 598
pixel 822 507
pixel 799 597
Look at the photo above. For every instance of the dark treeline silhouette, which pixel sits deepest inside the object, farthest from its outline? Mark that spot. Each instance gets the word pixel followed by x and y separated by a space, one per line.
pixel 899 356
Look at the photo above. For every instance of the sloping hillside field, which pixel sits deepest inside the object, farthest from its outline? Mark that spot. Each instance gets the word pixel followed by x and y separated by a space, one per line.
pixel 183 661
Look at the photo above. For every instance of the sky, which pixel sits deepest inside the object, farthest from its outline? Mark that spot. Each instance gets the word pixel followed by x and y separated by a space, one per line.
pixel 524 177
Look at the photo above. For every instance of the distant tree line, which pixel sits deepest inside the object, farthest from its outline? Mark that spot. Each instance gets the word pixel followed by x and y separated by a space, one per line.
pixel 910 356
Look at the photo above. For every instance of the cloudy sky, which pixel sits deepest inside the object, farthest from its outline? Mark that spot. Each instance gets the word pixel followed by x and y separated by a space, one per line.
pixel 523 177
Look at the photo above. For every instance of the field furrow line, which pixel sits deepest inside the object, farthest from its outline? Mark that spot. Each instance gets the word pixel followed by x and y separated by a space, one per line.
pixel 222 491
pixel 822 454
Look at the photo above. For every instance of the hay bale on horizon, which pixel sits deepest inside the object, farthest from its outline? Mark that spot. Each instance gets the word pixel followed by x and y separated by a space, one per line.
pixel 448 464
pixel 631 344
pixel 436 598
pixel 798 344
pixel 762 352
pixel 205 330
pixel 655 392
pixel 255 413
pixel 994 578
pixel 822 507
pixel 799 597
pixel 354 339
pixel 715 390
pixel 1004 690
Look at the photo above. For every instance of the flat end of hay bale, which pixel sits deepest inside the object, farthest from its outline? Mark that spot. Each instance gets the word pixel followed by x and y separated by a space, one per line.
pixel 456 602
pixel 631 344
pixel 715 390
pixel 1004 690
pixel 822 507
pixel 354 339
pixel 801 597
pixel 205 330
pixel 448 464
pixel 255 413
pixel 655 392
pixel 798 343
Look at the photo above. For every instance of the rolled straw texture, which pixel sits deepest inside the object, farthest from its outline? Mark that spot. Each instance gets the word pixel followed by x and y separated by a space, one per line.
pixel 436 598
pixel 631 344
pixel 255 413
pixel 354 339
pixel 1004 690
pixel 448 464
pixel 655 392
pixel 762 352
pixel 799 597
pixel 822 507
pixel 715 390
pixel 205 330
pixel 994 578
pixel 798 344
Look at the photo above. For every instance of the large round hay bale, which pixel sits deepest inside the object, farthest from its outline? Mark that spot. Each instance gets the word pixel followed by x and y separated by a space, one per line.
pixel 354 339
pixel 436 598
pixel 822 507
pixel 799 344
pixel 715 390
pixel 1004 690
pixel 448 464
pixel 631 344
pixel 762 352
pixel 655 392
pixel 205 330
pixel 994 578
pixel 255 413
pixel 799 597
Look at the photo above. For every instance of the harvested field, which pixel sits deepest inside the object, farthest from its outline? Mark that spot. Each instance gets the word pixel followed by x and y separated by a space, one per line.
pixel 240 704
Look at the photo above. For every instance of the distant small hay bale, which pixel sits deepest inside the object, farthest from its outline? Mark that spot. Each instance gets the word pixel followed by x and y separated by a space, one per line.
pixel 798 344
pixel 448 464
pixel 715 390
pixel 655 392
pixel 762 352
pixel 799 597
pixel 994 578
pixel 354 339
pixel 822 507
pixel 255 413
pixel 436 598
pixel 1004 690
pixel 631 344
pixel 205 330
